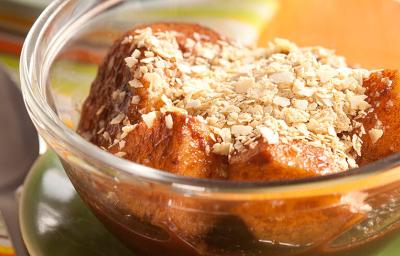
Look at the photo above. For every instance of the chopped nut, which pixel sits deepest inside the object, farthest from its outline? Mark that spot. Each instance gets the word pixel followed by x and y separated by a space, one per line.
pixel 357 143
pixel 242 93
pixel 106 136
pixel 241 130
pixel 199 69
pixel 101 131
pixel 100 110
pixel 121 144
pixel 269 135
pixel 375 134
pixel 244 84
pixel 222 148
pixel 154 79
pixel 117 119
pixel 131 61
pixel 128 128
pixel 147 60
pixel 136 54
pixel 149 118
pixel 358 102
pixel 300 104
pixel 169 123
pixel 149 54
pixel 326 73
pixel 193 104
pixel 120 154
pixel 281 101
pixel 135 83
pixel 293 115
pixel 135 99
pixel 284 77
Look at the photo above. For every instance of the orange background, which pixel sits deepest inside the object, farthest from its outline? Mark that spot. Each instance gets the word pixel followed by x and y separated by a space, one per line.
pixel 366 32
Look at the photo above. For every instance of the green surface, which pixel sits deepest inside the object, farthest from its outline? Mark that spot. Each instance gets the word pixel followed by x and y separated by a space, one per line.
pixel 54 220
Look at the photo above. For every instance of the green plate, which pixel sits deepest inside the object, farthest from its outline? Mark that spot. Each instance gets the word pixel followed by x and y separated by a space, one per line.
pixel 55 221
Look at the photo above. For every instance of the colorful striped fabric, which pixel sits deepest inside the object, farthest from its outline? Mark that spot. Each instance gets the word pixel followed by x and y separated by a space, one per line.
pixel 243 20
pixel 16 17
pixel 6 248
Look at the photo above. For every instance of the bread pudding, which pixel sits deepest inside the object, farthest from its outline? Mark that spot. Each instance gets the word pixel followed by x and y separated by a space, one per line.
pixel 184 99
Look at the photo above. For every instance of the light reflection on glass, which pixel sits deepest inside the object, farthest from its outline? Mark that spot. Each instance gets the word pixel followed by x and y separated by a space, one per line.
pixel 57 186
pixel 48 219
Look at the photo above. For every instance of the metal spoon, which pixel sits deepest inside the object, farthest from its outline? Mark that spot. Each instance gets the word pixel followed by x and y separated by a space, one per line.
pixel 18 149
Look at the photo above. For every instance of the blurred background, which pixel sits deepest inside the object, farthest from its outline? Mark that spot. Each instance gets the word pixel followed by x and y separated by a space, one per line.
pixel 16 17
pixel 362 39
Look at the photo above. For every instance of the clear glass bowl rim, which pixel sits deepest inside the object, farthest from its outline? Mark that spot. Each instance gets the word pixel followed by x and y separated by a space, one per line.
pixel 49 122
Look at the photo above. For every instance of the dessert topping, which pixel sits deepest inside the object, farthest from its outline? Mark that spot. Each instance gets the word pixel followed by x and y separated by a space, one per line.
pixel 279 93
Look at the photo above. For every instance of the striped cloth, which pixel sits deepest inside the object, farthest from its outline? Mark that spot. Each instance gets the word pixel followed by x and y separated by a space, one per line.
pixel 6 248
pixel 243 20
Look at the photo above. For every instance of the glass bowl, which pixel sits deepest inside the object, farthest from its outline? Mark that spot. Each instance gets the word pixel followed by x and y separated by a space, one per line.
pixel 155 212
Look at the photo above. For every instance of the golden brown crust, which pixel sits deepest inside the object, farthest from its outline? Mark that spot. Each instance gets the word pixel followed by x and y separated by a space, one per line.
pixel 265 162
pixel 114 74
pixel 281 161
pixel 100 108
pixel 184 149
pixel 383 90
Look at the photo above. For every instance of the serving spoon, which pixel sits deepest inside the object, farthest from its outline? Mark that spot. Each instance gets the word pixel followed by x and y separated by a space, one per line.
pixel 18 149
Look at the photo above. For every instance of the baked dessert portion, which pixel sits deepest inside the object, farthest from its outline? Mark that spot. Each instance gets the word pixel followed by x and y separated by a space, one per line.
pixel 184 99
pixel 282 111
pixel 382 123
pixel 122 114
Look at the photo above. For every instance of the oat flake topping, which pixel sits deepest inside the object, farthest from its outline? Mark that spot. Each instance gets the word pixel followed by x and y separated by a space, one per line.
pixel 278 94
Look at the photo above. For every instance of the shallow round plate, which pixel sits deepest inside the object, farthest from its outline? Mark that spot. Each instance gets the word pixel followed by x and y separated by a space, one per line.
pixel 55 221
